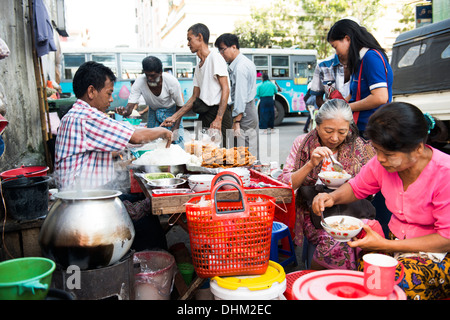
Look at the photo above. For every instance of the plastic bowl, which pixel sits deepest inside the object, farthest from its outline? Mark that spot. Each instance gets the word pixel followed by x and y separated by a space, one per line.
pixel 342 235
pixel 200 182
pixel 134 122
pixel 334 180
pixel 166 182
pixel 25 278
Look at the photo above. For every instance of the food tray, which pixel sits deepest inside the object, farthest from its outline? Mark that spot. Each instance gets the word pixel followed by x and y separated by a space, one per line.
pixel 171 191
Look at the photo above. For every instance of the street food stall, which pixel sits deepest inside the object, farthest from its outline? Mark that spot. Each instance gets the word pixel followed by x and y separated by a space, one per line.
pixel 171 186
pixel 194 181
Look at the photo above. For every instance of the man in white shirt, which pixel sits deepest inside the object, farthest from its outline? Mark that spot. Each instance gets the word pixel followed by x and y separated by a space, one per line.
pixel 243 90
pixel 161 92
pixel 211 93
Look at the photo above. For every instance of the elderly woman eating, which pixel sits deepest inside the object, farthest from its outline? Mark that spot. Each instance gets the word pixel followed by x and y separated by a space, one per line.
pixel 337 135
pixel 415 180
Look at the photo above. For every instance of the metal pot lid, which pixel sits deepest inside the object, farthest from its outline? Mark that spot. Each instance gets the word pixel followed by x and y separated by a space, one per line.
pixel 337 285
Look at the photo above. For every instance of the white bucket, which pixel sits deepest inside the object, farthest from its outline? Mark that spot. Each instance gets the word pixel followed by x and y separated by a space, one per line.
pixel 268 286
pixel 275 292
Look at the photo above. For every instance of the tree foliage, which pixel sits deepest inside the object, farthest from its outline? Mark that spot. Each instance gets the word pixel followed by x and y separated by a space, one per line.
pixel 302 23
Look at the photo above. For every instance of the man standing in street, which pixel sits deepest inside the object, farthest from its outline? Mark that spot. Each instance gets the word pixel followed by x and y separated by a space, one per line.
pixel 243 90
pixel 211 93
pixel 161 92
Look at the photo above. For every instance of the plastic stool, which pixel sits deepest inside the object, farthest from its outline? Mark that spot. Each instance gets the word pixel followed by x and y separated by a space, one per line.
pixel 281 231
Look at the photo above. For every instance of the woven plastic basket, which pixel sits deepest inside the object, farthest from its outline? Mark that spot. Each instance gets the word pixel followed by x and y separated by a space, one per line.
pixel 230 237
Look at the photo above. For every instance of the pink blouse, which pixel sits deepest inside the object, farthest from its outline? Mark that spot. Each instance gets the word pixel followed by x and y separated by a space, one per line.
pixel 424 208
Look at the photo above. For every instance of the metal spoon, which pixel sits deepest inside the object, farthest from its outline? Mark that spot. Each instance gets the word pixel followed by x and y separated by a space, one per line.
pixel 336 164
pixel 323 221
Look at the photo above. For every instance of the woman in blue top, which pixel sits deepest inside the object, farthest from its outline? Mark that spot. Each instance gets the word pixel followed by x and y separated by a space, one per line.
pixel 369 65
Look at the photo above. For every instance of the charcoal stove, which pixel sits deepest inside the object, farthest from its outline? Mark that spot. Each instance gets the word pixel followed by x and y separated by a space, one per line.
pixel 114 282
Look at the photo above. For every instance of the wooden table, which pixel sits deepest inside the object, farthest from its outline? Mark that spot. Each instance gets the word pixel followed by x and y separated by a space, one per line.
pixel 175 203
pixel 20 238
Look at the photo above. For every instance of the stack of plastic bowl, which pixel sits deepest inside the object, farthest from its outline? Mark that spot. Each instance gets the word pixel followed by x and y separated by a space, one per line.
pixel 243 173
pixel 200 182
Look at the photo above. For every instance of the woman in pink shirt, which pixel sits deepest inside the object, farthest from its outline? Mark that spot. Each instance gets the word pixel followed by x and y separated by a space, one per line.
pixel 415 180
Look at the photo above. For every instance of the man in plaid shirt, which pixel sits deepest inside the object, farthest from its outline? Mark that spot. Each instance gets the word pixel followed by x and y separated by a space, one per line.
pixel 87 136
pixel 330 71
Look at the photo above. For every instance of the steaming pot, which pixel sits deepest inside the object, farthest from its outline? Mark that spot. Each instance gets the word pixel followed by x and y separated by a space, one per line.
pixel 89 228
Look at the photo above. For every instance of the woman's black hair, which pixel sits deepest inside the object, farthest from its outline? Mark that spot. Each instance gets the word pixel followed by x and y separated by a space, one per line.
pixel 401 126
pixel 91 73
pixel 265 77
pixel 359 38
pixel 152 63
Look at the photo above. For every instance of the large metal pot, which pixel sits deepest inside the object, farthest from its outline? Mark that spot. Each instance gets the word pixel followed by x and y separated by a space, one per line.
pixel 89 228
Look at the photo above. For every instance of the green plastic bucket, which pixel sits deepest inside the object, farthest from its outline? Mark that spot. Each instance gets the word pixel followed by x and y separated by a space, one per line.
pixel 25 278
pixel 187 271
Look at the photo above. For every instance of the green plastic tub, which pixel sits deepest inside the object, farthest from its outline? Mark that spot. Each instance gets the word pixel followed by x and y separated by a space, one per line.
pixel 134 122
pixel 25 278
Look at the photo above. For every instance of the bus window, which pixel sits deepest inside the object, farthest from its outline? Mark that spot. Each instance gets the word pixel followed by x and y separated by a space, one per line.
pixel 411 55
pixel 108 60
pixel 262 65
pixel 71 64
pixel 131 65
pixel 304 72
pixel 280 66
pixel 185 66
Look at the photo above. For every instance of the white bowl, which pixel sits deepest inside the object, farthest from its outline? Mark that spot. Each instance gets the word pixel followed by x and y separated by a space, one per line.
pixel 200 182
pixel 334 180
pixel 342 234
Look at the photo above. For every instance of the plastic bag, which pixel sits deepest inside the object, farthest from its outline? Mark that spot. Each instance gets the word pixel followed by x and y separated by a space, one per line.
pixel 4 50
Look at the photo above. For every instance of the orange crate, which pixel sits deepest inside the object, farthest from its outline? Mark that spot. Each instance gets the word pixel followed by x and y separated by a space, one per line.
pixel 230 237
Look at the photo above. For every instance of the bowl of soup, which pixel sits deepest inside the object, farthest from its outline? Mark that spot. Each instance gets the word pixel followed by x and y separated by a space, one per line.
pixel 342 228
pixel 333 179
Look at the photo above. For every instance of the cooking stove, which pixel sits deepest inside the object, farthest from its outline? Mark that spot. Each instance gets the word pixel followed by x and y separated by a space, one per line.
pixel 115 282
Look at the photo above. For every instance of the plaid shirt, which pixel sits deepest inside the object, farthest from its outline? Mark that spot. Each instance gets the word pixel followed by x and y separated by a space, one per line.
pixel 329 70
pixel 86 137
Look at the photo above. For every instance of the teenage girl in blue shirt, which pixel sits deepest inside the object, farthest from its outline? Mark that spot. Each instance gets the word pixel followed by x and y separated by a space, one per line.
pixel 354 44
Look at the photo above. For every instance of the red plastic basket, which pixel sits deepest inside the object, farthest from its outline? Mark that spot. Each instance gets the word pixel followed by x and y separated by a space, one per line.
pixel 230 237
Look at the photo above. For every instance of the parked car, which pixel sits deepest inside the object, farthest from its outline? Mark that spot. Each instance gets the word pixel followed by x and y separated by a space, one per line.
pixel 421 65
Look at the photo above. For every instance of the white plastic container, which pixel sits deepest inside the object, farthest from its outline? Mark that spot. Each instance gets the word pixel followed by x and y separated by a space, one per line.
pixel 268 286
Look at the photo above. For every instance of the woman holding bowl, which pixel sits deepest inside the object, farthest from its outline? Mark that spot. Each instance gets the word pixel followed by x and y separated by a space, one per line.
pixel 415 180
pixel 335 134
